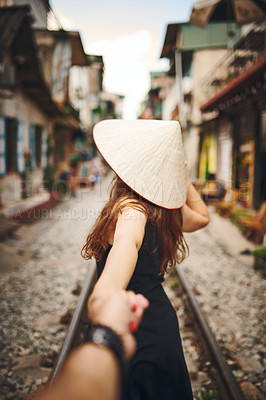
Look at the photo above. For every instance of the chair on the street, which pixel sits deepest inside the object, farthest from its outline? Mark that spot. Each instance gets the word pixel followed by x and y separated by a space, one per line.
pixel 213 191
pixel 255 225
pixel 225 206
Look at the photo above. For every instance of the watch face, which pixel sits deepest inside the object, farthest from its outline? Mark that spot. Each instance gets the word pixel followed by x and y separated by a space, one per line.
pixel 98 336
pixel 104 336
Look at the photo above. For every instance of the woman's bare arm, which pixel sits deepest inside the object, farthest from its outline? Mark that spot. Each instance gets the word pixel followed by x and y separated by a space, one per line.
pixel 194 212
pixel 122 259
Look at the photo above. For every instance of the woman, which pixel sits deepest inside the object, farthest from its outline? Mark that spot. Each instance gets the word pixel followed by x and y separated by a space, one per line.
pixel 138 235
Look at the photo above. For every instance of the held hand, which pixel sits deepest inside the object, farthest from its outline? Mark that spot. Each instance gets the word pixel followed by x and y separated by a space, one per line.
pixel 122 312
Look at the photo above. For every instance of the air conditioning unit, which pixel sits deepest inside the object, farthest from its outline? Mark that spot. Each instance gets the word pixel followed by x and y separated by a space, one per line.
pixel 7 76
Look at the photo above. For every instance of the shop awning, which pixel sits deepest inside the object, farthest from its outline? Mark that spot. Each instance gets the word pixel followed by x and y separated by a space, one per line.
pixel 236 85
pixel 79 56
pixel 171 40
pixel 188 37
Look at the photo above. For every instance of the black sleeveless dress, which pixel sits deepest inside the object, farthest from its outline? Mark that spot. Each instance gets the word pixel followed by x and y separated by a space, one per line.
pixel 157 371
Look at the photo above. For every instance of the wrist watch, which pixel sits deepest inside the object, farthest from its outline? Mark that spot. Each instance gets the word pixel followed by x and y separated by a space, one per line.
pixel 104 336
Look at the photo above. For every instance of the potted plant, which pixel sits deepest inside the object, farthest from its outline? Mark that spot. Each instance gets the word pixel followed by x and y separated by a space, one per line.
pixel 260 259
pixel 49 179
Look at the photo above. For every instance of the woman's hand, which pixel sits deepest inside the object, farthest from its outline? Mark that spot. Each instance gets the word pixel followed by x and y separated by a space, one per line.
pixel 194 212
pixel 121 311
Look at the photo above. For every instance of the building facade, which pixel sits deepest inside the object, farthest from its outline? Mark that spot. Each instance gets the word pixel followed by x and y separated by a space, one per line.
pixel 38 124
pixel 192 53
pixel 27 110
pixel 236 93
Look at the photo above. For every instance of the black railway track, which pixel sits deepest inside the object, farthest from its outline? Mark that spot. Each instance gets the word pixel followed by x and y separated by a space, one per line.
pixel 76 326
pixel 230 387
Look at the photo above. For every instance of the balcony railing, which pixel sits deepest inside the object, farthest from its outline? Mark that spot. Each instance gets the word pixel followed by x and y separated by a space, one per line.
pixel 248 50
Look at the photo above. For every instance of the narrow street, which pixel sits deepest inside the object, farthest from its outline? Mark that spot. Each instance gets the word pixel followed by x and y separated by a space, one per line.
pixel 148 87
pixel 36 294
pixel 39 295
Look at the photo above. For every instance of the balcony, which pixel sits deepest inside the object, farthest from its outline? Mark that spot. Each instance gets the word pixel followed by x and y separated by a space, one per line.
pixel 247 53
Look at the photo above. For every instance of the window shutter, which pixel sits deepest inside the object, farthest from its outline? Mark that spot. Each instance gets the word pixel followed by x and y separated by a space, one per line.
pixel 32 145
pixel 2 145
pixel 20 146
pixel 44 148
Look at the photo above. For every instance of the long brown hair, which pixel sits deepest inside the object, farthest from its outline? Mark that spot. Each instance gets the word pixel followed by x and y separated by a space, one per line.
pixel 168 223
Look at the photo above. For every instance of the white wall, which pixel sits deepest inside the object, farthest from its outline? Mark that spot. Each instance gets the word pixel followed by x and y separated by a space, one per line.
pixel 203 61
pixel 225 152
pixel 191 148
pixel 170 96
pixel 79 90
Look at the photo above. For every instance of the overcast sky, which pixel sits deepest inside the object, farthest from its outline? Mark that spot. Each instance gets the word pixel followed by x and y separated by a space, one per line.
pixel 129 34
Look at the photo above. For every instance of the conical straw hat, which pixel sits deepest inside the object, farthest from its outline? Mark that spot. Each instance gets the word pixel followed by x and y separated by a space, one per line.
pixel 148 156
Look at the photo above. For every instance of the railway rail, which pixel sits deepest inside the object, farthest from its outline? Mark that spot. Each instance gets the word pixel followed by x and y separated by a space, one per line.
pixel 73 336
pixel 230 389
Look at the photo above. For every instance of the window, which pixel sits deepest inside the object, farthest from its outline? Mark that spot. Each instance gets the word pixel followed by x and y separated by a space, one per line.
pixel 247 125
pixel 11 145
pixel 35 142
pixel 187 63
pixel 38 145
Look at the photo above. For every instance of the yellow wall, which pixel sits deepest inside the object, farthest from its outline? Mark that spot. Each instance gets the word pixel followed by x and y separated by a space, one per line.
pixel 208 156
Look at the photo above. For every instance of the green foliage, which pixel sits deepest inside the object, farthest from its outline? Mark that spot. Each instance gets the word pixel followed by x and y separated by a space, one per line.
pixel 49 177
pixel 260 253
pixel 234 217
pixel 209 395
pixel 240 213
pixel 75 158
pixel 174 284
pixel 236 223
pixel 69 110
